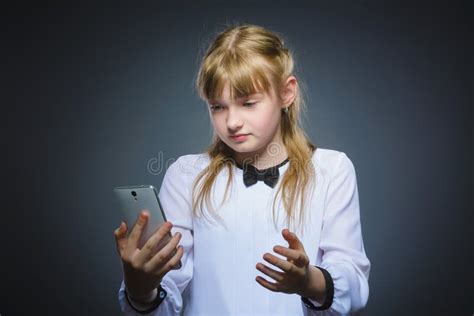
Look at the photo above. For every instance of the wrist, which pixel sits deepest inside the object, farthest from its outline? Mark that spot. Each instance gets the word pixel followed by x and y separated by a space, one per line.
pixel 325 301
pixel 316 286
pixel 158 295
pixel 142 299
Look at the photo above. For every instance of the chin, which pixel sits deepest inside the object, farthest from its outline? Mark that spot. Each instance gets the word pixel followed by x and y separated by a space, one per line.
pixel 248 151
pixel 241 148
pixel 246 147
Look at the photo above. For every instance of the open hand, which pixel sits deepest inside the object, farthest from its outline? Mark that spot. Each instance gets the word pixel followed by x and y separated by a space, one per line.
pixel 295 277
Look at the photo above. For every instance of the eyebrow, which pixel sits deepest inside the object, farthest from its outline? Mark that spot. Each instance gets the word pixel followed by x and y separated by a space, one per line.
pixel 240 98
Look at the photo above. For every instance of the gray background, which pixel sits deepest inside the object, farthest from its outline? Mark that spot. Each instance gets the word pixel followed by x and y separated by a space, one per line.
pixel 91 95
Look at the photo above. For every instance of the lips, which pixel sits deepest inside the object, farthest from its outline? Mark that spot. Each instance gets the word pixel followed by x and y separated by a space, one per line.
pixel 239 137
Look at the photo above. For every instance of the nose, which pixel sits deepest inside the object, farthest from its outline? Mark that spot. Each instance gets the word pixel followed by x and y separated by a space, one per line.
pixel 234 120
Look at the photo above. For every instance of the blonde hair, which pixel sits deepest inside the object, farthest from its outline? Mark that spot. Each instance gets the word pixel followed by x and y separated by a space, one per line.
pixel 251 59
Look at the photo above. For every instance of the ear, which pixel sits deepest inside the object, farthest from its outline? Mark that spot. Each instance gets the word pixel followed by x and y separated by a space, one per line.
pixel 288 93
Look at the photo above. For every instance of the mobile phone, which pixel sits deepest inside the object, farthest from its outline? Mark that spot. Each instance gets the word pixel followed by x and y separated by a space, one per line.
pixel 133 200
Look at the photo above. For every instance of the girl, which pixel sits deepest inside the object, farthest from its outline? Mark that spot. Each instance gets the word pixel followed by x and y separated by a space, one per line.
pixel 285 238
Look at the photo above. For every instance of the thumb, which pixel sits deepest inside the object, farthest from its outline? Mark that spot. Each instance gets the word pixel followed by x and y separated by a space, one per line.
pixel 120 235
pixel 292 239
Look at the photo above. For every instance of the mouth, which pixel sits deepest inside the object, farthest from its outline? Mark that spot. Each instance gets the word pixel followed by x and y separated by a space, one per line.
pixel 239 137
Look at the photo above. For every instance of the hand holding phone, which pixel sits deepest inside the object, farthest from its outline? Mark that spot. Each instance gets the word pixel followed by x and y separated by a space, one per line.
pixel 145 268
pixel 149 251
pixel 135 199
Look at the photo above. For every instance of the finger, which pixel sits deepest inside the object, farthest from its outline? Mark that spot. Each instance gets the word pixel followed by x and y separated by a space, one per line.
pixel 284 265
pixel 292 239
pixel 298 257
pixel 150 248
pixel 120 235
pixel 172 262
pixel 275 275
pixel 166 253
pixel 137 230
pixel 271 286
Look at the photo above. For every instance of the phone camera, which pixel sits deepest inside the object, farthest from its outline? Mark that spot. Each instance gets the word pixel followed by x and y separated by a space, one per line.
pixel 134 193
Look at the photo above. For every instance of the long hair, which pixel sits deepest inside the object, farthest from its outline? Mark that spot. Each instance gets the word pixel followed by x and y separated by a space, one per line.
pixel 252 58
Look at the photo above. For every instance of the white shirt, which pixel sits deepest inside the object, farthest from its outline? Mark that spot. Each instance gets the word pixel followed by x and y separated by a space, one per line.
pixel 218 266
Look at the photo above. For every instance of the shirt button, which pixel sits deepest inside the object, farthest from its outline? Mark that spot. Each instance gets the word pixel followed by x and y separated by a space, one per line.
pixel 162 294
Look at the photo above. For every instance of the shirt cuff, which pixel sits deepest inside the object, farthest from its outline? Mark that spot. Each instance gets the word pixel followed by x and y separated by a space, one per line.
pixel 313 304
pixel 156 298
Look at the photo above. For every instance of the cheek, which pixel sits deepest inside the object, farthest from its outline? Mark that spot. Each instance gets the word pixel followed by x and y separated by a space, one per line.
pixel 220 127
pixel 266 122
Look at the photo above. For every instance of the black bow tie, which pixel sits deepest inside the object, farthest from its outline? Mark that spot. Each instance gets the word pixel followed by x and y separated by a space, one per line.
pixel 269 176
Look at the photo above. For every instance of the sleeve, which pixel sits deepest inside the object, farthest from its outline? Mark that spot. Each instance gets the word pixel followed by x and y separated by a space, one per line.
pixel 174 195
pixel 342 245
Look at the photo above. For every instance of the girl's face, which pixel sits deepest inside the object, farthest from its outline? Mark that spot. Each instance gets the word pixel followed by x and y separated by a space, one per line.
pixel 256 118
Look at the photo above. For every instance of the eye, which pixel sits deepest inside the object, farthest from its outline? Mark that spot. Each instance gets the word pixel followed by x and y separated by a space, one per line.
pixel 249 104
pixel 215 108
